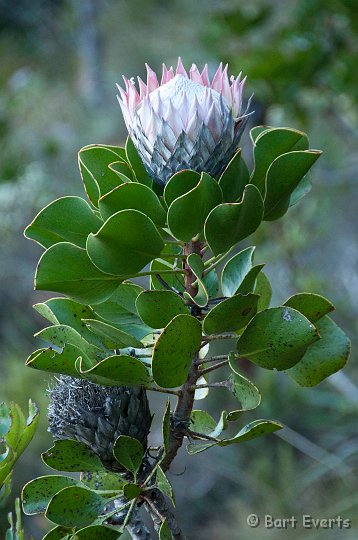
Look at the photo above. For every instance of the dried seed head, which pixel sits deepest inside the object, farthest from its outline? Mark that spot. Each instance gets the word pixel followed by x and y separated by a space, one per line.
pixel 96 415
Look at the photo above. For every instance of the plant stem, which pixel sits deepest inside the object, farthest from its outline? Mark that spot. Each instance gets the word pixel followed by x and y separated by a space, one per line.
pixel 221 384
pixel 215 366
pixel 228 335
pixel 153 272
pixel 212 359
pixel 218 260
pixel 164 391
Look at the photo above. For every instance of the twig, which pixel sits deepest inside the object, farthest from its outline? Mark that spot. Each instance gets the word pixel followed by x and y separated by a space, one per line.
pixel 221 384
pixel 212 359
pixel 215 366
pixel 164 391
pixel 214 337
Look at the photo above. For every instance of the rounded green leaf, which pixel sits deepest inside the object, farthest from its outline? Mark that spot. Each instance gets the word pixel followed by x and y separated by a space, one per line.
pixel 103 480
pixel 117 370
pixel 96 532
pixel 74 456
pixel 264 290
pixel 135 162
pixel 58 533
pixel 255 429
pixel 195 205
pixel 324 357
pixel 245 392
pixel 234 178
pixel 283 176
pixel 135 196
pixel 61 335
pixel 68 219
pixel 277 338
pixel 229 223
pixel 98 178
pixel 111 336
pixel 131 491
pixel 172 354
pixel 37 493
pixel 125 244
pixel 66 268
pixel 313 306
pixel 75 506
pixel 158 308
pixel 55 362
pixel 180 183
pixel 235 271
pixel 271 143
pixel 68 312
pixel 129 453
pixel 231 315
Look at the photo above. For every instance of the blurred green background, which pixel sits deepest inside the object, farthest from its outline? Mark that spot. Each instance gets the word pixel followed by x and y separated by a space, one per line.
pixel 60 60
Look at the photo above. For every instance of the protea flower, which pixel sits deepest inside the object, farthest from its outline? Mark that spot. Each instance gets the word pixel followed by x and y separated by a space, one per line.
pixel 96 415
pixel 186 121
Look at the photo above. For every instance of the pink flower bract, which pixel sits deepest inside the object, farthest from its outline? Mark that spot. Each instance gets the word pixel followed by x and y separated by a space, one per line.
pixel 185 121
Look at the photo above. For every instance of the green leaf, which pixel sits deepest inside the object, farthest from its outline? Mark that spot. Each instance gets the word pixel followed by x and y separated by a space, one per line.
pixel 29 431
pixel 122 170
pixel 245 392
pixel 62 335
pixel 68 312
pixel 5 419
pixel 312 306
pixel 125 243
pixel 129 453
pixel 300 191
pixel 211 284
pixel 172 355
pixel 164 485
pixel 58 533
pixel 256 131
pixel 54 362
pixel 37 493
pixel 277 338
pixel 96 532
pixel 75 506
pixel 112 337
pixel 71 456
pixel 117 371
pixel 125 296
pixel 270 144
pixel 68 219
pixel 174 280
pixel 165 532
pixel 254 429
pixel 135 162
pixel 195 205
pixel 179 184
pixel 283 176
pixel 249 281
pixel 166 427
pixel 229 223
pixel 133 196
pixel 203 423
pixel 264 290
pixel 103 480
pixel 231 315
pixel 235 271
pixel 324 357
pixel 195 262
pixel 98 178
pixel 67 269
pixel 158 308
pixel 131 491
pixel 18 424
pixel 234 178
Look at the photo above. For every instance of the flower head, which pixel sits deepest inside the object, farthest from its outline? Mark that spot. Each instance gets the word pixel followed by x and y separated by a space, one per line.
pixel 185 121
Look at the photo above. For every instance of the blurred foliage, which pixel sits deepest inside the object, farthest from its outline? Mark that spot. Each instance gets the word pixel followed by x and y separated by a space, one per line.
pixel 300 57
